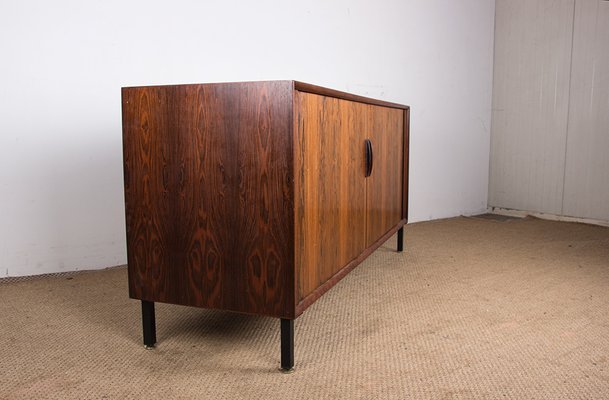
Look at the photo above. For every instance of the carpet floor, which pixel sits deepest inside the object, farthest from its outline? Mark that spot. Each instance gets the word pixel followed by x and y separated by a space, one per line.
pixel 475 308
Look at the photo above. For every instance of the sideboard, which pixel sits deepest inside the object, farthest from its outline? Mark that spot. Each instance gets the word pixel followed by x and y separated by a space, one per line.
pixel 257 197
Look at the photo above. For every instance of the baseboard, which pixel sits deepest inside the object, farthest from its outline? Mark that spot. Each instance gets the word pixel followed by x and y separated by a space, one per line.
pixel 63 274
pixel 552 217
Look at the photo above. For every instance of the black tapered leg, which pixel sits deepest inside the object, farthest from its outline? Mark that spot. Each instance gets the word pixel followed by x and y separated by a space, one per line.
pixel 287 344
pixel 149 323
pixel 400 239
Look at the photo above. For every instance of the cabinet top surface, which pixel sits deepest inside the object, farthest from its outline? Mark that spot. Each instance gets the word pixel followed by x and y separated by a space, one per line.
pixel 295 85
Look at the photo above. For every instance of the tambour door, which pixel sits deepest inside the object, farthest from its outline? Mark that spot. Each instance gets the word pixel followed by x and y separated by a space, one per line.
pixel 330 187
pixel 384 185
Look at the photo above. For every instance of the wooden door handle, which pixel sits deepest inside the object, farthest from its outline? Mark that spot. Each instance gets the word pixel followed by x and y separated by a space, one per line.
pixel 369 157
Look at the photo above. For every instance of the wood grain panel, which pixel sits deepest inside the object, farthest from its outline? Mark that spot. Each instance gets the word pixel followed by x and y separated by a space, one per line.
pixel 209 195
pixel 330 187
pixel 147 164
pixel 385 184
pixel 586 193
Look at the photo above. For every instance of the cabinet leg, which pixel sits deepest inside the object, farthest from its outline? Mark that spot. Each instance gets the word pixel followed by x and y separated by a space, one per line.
pixel 149 323
pixel 287 344
pixel 400 239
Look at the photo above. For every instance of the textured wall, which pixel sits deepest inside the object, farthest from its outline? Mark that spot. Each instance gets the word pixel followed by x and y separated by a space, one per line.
pixel 587 159
pixel 550 133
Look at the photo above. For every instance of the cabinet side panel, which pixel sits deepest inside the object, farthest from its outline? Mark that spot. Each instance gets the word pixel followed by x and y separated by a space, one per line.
pixel 225 176
pixel 385 184
pixel 330 197
pixel 264 233
pixel 146 157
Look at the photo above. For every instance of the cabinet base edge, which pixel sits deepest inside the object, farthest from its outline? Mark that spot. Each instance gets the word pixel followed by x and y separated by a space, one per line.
pixel 317 293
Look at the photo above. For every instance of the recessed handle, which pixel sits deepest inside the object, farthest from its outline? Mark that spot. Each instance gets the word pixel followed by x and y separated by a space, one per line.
pixel 369 157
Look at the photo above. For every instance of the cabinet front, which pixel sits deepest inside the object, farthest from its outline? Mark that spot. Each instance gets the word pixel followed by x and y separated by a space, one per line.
pixel 330 187
pixel 384 185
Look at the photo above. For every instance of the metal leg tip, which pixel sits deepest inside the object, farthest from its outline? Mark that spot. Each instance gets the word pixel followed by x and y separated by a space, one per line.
pixel 149 347
pixel 286 371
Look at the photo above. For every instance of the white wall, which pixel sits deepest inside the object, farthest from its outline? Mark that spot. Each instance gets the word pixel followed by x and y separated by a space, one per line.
pixel 63 63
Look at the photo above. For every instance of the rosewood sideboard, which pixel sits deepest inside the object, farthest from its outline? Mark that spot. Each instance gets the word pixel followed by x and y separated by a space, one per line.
pixel 257 197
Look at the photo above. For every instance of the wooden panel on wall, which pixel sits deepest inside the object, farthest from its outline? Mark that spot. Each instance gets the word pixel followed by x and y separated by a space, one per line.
pixel 209 199
pixel 530 104
pixel 587 172
pixel 384 185
pixel 330 196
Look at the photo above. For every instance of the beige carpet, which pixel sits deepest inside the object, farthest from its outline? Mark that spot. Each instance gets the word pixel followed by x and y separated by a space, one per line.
pixel 474 308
